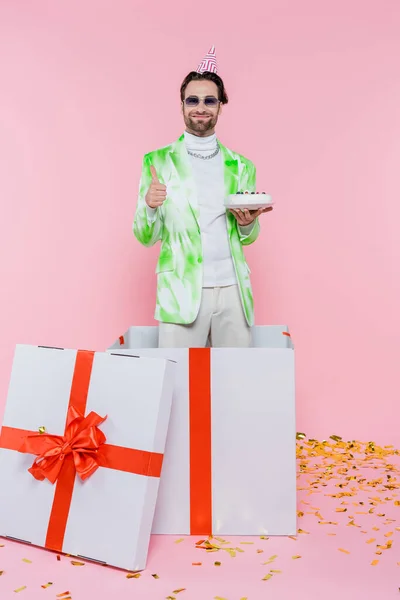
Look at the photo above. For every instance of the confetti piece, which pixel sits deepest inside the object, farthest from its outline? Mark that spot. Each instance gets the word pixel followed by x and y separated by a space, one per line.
pixel 375 562
pixel 46 585
pixel 343 550
pixel 26 560
pixel 219 598
pixel 260 551
pixel 273 557
pixel 263 537
pixel 1 545
pixel 58 557
pixel 20 589
pixel 397 502
pixel 247 543
pixel 275 571
pixel 1 573
pixel 341 510
pixel 300 436
pixel 155 576
pixel 301 531
pixel 133 575
pixel 296 556
pixel 63 594
pixel 42 429
pixel 267 577
pixel 370 540
pixel 217 563
pixel 389 533
pixel 77 563
pixel 179 591
pixel 197 564
pixel 179 541
pixel 292 537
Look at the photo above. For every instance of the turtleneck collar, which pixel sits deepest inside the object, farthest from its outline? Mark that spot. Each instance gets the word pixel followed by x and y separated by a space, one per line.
pixel 198 144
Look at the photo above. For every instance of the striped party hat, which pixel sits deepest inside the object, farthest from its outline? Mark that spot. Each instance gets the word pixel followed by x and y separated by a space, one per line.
pixel 209 62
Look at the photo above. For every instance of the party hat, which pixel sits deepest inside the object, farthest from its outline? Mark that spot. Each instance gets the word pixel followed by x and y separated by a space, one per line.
pixel 209 62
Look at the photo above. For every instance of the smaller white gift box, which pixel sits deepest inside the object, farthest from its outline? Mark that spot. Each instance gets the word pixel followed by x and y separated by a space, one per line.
pixel 81 451
pixel 230 457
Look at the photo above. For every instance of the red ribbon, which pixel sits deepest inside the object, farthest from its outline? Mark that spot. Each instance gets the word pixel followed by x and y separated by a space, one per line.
pixel 81 441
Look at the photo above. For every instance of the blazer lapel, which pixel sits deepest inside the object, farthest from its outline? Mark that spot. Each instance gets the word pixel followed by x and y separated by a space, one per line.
pixel 231 179
pixel 182 169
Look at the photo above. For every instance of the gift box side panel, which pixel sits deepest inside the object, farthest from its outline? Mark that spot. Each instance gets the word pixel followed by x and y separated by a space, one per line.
pixel 172 515
pixel 253 442
pixel 39 389
pixel 110 518
pixel 137 337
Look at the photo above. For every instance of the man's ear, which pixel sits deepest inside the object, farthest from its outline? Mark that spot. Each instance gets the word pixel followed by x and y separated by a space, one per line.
pixel 220 109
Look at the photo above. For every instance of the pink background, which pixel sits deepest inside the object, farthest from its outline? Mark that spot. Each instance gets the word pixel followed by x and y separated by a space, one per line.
pixel 88 87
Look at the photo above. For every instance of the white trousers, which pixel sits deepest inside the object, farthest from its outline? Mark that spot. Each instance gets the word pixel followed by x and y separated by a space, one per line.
pixel 220 321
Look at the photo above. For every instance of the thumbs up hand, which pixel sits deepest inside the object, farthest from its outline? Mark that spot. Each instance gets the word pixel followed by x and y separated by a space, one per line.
pixel 157 191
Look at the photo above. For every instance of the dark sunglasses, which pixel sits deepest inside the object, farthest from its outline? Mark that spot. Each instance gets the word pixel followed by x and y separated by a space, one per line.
pixel 210 101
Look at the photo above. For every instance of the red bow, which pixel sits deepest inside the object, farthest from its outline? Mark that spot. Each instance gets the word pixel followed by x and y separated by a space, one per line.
pixel 80 443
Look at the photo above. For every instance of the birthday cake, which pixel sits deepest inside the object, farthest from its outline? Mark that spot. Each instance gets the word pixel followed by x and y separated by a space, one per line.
pixel 249 200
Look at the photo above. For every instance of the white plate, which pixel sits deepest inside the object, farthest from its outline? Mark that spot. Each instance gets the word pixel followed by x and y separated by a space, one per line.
pixel 249 201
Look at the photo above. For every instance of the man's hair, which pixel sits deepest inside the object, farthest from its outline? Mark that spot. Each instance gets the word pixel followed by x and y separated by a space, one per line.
pixel 208 76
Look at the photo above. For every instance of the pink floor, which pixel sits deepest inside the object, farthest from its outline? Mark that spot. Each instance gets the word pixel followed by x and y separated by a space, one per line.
pixel 339 539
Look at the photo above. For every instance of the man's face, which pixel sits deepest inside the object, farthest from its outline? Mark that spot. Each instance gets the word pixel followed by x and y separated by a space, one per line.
pixel 201 118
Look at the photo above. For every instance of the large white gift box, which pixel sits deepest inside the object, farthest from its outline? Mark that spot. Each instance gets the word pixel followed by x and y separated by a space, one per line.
pixel 81 450
pixel 230 458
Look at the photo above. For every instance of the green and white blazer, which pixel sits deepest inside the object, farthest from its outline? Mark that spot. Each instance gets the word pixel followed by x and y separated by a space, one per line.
pixel 176 225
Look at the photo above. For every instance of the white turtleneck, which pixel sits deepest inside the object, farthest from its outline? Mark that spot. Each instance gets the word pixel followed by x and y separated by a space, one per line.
pixel 218 268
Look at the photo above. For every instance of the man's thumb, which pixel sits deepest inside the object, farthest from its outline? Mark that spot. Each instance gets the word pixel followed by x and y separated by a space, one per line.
pixel 153 174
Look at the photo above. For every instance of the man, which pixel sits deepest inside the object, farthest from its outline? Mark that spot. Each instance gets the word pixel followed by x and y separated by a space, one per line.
pixel 203 281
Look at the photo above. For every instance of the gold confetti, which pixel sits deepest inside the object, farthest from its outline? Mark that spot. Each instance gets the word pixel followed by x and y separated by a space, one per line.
pixel 219 598
pixel 341 510
pixel 389 533
pixel 260 551
pixel 155 576
pixel 197 564
pixel 296 556
pixel 247 543
pixel 77 563
pixel 336 438
pixel 267 577
pixel 275 571
pixel 179 591
pixel 1 545
pixel 46 585
pixel 375 562
pixel 292 537
pixel 264 537
pixel 343 550
pixel 21 589
pixel 63 594
pixel 397 502
pixel 301 531
pixel 217 563
pixel 42 429
pixel 1 573
pixel 179 541
pixel 300 436
pixel 26 560
pixel 370 540
pixel 58 557
pixel 133 575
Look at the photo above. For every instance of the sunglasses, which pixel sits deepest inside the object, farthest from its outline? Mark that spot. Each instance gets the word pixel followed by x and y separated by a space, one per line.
pixel 209 101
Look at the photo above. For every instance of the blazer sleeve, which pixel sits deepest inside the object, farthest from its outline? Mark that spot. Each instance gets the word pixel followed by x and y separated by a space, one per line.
pixel 148 223
pixel 249 233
